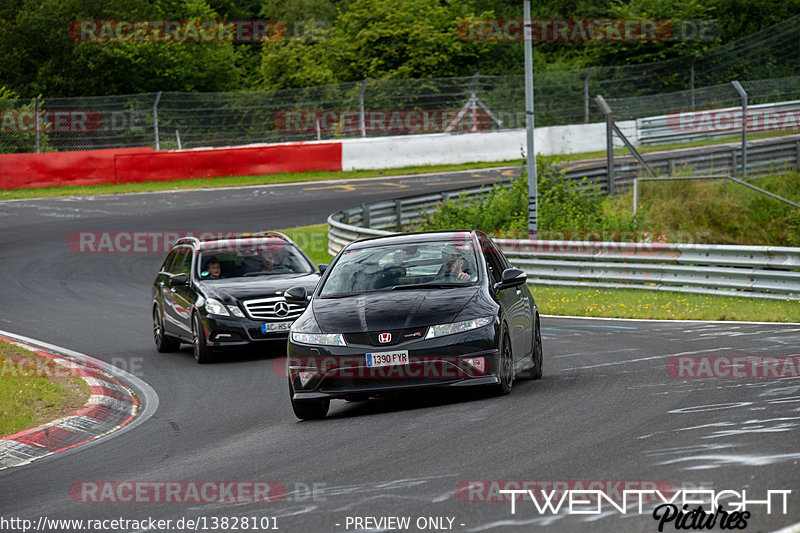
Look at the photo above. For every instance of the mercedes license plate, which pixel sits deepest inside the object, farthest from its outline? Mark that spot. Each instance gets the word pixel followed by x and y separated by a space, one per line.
pixel 275 326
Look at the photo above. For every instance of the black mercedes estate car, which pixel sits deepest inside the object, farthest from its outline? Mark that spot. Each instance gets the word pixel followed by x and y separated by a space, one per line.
pixel 403 312
pixel 220 293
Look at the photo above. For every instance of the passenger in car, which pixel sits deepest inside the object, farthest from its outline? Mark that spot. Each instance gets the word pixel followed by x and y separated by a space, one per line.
pixel 213 270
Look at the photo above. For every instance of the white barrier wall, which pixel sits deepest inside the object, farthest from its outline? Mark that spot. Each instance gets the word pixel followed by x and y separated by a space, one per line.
pixel 445 149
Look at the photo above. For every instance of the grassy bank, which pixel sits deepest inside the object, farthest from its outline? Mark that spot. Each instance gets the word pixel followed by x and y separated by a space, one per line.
pixel 661 305
pixel 709 211
pixel 33 391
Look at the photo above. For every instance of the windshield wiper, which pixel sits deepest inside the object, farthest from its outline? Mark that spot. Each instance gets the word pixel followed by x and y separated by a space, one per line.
pixel 429 286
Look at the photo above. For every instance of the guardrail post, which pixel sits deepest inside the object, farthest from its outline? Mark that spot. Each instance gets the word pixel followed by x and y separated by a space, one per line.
pixel 365 215
pixel 733 162
pixel 635 194
pixel 398 211
pixel 797 153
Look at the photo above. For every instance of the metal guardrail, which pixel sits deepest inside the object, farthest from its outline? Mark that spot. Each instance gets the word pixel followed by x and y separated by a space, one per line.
pixel 763 156
pixel 371 220
pixel 716 123
pixel 751 271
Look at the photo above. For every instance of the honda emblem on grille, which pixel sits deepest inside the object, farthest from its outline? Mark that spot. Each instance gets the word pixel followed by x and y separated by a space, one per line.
pixel 385 337
pixel 281 309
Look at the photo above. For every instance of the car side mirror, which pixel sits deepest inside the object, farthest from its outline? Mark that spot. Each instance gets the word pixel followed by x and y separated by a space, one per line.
pixel 511 277
pixel 323 267
pixel 178 279
pixel 296 295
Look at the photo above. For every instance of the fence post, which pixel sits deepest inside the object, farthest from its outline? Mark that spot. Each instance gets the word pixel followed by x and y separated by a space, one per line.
pixel 586 95
pixel 473 99
pixel 155 119
pixel 530 126
pixel 609 141
pixel 362 122
pixel 743 94
pixel 36 110
pixel 691 81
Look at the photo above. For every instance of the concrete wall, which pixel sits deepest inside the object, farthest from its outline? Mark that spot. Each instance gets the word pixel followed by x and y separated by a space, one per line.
pixel 439 149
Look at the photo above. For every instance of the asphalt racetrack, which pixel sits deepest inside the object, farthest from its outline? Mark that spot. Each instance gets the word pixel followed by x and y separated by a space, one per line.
pixel 608 410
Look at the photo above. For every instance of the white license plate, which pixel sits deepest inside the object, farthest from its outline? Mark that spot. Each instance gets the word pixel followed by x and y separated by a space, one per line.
pixel 275 326
pixel 399 357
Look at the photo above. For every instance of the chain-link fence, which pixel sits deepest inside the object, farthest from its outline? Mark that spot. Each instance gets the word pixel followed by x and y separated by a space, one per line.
pixel 407 106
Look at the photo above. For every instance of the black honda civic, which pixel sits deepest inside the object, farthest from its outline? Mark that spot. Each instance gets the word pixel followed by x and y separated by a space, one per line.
pixel 403 312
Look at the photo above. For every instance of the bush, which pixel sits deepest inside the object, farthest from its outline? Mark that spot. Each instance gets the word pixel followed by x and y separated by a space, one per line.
pixel 565 206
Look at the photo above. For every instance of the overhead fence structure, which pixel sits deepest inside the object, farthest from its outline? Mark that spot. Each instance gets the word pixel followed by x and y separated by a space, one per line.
pixel 388 107
pixel 749 271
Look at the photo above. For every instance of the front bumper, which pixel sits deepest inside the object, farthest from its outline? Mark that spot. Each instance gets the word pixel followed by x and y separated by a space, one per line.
pixel 341 372
pixel 222 331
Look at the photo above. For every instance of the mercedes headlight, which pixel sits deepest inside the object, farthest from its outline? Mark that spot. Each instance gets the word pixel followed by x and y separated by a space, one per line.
pixel 215 307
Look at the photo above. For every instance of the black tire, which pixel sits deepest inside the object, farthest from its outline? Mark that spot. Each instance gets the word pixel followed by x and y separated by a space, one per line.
pixel 164 343
pixel 536 371
pixel 506 370
pixel 309 409
pixel 202 353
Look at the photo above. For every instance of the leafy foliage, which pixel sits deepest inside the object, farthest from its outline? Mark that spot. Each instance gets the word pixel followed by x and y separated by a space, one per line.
pixel 17 119
pixel 564 206
pixel 327 41
pixel 678 211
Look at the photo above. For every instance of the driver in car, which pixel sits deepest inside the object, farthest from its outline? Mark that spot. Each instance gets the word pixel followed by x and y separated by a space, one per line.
pixel 452 267
pixel 267 261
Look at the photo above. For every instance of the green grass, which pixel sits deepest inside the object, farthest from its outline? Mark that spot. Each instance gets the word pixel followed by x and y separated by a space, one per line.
pixel 313 240
pixel 662 305
pixel 706 211
pixel 239 181
pixel 27 399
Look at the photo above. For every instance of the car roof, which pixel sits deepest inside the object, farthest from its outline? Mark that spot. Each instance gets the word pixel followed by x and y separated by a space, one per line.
pixel 265 239
pixel 262 243
pixel 412 238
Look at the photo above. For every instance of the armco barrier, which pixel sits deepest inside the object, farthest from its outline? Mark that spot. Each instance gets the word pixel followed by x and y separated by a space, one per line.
pixel 686 126
pixel 96 167
pixel 752 271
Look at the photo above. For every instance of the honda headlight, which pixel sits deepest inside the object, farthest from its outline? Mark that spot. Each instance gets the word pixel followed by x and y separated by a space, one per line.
pixel 440 330
pixel 321 339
